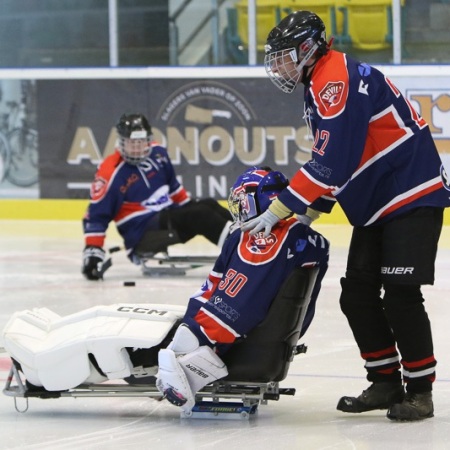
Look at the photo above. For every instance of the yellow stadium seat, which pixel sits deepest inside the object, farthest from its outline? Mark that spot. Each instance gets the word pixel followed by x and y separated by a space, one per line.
pixel 270 12
pixel 367 24
pixel 325 9
pixel 267 16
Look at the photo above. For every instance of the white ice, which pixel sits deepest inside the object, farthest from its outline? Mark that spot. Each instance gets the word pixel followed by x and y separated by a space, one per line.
pixel 40 267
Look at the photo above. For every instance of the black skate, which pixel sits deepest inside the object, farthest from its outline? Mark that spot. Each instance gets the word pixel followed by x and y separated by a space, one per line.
pixel 413 407
pixel 377 396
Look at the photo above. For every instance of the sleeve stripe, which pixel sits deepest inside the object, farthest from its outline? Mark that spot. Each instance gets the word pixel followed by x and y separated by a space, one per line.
pixel 310 188
pixel 214 328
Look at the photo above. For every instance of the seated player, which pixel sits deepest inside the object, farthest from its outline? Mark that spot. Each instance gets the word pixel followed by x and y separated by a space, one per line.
pixel 240 288
pixel 136 187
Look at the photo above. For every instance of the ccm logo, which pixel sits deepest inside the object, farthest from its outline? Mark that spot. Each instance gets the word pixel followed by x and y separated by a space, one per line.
pixel 140 310
pixel 397 270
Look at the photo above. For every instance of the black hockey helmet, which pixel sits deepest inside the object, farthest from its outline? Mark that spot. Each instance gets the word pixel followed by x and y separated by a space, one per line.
pixel 296 28
pixel 135 135
pixel 132 122
pixel 299 36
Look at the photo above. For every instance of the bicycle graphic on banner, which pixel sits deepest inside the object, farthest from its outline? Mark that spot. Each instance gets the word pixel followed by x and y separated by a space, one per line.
pixel 18 141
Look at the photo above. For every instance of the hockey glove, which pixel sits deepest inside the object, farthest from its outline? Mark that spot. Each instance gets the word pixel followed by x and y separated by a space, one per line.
pixel 93 259
pixel 276 211
pixel 263 222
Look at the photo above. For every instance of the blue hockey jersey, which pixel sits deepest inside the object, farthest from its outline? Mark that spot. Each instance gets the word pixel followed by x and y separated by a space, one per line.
pixel 372 152
pixel 131 195
pixel 247 277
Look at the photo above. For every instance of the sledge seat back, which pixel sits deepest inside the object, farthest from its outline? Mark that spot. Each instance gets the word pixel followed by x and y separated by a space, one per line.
pixel 266 353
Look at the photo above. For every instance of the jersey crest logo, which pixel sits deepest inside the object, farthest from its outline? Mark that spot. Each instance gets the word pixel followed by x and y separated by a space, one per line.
pixel 259 249
pixel 98 188
pixel 260 244
pixel 331 94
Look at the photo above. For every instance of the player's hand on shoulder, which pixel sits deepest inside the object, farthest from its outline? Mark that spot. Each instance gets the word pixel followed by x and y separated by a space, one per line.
pixel 263 222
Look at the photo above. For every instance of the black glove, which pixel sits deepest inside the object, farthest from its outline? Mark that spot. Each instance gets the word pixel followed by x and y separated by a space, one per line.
pixel 93 258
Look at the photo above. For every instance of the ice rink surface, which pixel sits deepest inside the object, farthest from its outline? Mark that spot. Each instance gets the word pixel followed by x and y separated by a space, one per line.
pixel 40 267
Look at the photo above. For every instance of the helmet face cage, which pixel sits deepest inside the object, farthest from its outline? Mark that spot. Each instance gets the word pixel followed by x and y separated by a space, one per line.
pixel 284 67
pixel 135 150
pixel 242 203
pixel 135 136
pixel 253 192
pixel 282 70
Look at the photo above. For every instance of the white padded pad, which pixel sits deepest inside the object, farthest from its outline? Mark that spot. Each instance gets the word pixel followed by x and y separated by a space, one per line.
pixel 53 350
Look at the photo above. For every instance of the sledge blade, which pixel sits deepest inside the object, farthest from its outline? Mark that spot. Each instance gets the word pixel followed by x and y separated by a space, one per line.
pixel 220 410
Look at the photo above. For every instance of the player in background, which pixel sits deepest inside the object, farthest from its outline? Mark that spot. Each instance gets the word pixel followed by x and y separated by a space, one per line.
pixel 136 187
pixel 239 289
pixel 375 156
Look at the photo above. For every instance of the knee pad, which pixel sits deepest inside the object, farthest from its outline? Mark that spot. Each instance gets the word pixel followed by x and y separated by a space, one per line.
pixel 403 291
pixel 356 293
pixel 156 241
pixel 184 341
pixel 400 296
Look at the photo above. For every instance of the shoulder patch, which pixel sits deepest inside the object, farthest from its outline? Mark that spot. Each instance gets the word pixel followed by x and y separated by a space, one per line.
pixel 330 85
pixel 98 188
pixel 332 94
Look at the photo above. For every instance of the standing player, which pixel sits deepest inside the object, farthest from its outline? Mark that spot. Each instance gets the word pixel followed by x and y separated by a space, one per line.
pixel 136 187
pixel 240 288
pixel 374 154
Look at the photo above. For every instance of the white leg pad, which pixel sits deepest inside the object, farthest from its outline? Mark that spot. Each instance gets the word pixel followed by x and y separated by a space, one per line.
pixel 202 367
pixel 186 375
pixel 171 376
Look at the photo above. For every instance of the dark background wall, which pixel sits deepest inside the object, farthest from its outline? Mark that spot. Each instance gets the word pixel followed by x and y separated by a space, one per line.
pixel 40 33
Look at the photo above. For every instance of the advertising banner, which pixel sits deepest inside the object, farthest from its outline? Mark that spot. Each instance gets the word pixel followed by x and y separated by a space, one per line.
pixel 55 132
pixel 213 129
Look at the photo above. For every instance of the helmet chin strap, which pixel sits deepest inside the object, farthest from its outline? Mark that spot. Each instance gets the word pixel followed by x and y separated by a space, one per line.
pixel 306 75
pixel 302 64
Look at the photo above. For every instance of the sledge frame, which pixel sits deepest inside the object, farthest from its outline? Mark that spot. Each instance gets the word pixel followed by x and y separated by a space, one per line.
pixel 225 398
pixel 219 400
pixel 162 264
pixel 157 262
